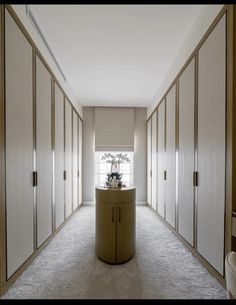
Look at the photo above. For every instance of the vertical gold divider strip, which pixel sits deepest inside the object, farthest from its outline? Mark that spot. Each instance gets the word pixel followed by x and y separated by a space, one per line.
pixel 3 239
pixel 53 151
pixel 230 181
pixel 157 160
pixel 232 177
pixel 34 145
pixel 195 206
pixel 72 159
pixel 147 159
pixel 151 161
pixel 177 154
pixel 78 160
pixel 227 122
pixel 164 101
pixel 64 123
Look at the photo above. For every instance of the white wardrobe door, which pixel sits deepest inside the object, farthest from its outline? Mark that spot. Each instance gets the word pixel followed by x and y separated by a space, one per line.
pixel 211 147
pixel 19 147
pixel 161 159
pixel 186 154
pixel 170 157
pixel 68 157
pixel 59 157
pixel 80 162
pixel 154 156
pixel 43 152
pixel 149 162
pixel 75 161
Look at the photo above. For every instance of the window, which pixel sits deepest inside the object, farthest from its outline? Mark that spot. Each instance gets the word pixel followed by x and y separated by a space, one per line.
pixel 102 168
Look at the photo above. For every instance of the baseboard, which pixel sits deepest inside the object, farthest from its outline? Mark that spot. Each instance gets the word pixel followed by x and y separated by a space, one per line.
pixel 144 203
pixel 88 203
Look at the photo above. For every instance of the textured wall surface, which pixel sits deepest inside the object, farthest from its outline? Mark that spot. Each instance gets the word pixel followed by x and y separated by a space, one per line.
pixel 140 154
pixel 88 154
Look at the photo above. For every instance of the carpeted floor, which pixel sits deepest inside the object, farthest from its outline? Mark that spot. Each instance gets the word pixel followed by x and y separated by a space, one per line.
pixel 162 267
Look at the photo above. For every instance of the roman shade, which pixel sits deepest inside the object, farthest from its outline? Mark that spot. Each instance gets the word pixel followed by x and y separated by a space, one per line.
pixel 114 129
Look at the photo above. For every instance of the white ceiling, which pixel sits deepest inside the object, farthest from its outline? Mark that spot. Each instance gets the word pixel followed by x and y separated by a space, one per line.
pixel 115 55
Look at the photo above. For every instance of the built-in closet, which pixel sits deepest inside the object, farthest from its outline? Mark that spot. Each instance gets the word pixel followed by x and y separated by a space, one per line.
pixel 161 160
pixel 194 149
pixel 154 161
pixel 186 153
pixel 41 151
pixel 149 162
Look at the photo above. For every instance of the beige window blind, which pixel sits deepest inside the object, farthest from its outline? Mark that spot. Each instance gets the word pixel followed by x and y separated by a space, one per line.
pixel 114 129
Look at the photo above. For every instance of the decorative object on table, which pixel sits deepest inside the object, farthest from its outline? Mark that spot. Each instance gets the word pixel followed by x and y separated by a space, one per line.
pixel 114 176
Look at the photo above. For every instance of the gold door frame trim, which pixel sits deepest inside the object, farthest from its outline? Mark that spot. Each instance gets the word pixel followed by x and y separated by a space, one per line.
pixel 2 155
pixel 164 101
pixel 177 155
pixel 53 151
pixel 64 139
pixel 34 146
pixel 195 189
pixel 72 160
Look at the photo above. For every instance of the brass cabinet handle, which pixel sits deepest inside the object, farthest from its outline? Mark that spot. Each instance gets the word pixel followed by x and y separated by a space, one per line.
pixel 35 178
pixel 112 216
pixel 195 178
pixel 164 175
pixel 119 214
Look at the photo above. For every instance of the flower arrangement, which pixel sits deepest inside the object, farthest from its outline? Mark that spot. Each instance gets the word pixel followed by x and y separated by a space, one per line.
pixel 114 176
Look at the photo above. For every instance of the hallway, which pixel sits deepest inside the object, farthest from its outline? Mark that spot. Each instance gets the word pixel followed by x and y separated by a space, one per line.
pixel 161 268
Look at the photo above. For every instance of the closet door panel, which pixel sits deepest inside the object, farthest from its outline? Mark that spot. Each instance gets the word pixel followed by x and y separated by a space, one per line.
pixel 161 159
pixel 68 158
pixel 170 157
pixel 186 154
pixel 149 162
pixel 80 162
pixel 211 147
pixel 154 163
pixel 75 160
pixel 43 152
pixel 19 147
pixel 59 157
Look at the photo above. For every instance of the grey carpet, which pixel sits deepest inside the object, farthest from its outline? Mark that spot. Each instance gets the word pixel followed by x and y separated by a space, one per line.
pixel 162 267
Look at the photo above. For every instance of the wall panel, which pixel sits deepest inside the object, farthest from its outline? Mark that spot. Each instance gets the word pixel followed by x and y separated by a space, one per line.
pixel 80 161
pixel 154 161
pixel 43 152
pixel 161 158
pixel 75 160
pixel 68 158
pixel 149 162
pixel 59 157
pixel 19 147
pixel 170 157
pixel 186 153
pixel 211 147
